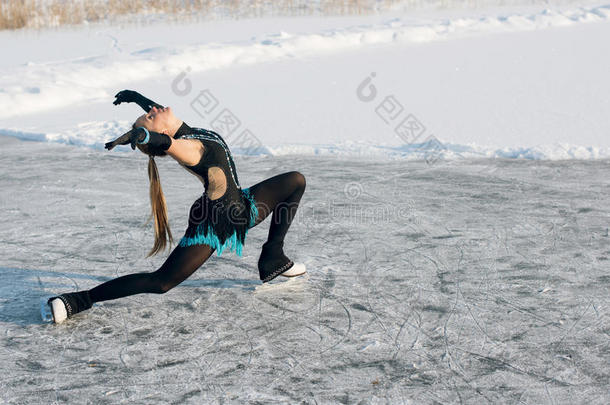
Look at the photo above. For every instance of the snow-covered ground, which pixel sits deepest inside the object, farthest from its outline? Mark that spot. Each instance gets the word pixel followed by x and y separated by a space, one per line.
pixel 473 269
pixel 517 82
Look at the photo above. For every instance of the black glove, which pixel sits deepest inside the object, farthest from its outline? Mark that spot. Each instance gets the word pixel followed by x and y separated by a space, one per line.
pixel 156 142
pixel 126 96
pixel 132 137
pixel 130 96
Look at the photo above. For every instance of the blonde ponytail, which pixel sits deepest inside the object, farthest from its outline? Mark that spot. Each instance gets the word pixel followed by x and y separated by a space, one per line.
pixel 158 210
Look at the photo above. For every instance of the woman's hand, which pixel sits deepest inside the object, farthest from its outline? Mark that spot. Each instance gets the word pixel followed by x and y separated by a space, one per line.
pixel 130 96
pixel 127 96
pixel 132 137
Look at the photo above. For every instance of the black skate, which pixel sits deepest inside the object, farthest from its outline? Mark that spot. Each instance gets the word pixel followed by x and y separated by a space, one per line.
pixel 272 261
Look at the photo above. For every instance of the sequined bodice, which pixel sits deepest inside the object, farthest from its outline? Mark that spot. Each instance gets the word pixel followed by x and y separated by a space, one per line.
pixel 216 166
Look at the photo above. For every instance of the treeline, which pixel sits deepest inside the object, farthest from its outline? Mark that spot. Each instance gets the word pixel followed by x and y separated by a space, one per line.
pixel 16 14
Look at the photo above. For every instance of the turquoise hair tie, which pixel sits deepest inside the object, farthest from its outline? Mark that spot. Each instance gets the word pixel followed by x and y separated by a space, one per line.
pixel 147 135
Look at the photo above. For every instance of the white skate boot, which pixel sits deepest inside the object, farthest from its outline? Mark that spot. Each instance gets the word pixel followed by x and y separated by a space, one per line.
pixel 58 310
pixel 297 269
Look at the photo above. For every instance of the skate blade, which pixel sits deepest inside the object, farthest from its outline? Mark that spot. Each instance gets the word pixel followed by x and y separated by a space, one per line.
pixel 277 284
pixel 45 310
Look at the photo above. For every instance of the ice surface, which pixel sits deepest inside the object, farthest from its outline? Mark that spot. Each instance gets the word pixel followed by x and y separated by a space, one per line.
pixel 463 281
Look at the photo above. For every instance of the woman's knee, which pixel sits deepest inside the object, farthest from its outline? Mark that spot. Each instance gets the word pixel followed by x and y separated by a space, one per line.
pixel 160 284
pixel 165 287
pixel 299 179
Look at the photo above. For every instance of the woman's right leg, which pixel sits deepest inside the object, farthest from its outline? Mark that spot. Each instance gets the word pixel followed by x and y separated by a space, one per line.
pixel 279 196
pixel 180 264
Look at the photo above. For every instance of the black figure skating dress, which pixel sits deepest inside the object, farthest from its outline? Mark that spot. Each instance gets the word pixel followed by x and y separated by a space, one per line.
pixel 221 223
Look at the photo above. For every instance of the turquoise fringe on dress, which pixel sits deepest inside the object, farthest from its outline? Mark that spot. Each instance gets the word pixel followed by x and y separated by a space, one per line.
pixel 232 243
pixel 253 209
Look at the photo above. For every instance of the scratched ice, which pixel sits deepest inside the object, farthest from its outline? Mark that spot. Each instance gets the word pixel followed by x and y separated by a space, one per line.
pixel 463 281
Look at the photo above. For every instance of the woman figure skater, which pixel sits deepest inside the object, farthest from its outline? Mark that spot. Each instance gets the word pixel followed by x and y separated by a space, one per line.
pixel 218 220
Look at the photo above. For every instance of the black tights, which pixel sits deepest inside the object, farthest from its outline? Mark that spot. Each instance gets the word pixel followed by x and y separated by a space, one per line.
pixel 279 195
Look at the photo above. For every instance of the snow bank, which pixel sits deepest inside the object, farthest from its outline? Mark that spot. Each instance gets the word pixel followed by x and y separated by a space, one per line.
pixel 42 86
pixel 510 85
pixel 96 134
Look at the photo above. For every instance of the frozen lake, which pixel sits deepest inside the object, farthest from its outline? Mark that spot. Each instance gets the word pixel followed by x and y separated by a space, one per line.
pixel 461 281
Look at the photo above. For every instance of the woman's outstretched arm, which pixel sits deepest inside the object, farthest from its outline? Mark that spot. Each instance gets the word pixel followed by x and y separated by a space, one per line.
pixel 185 151
pixel 130 96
